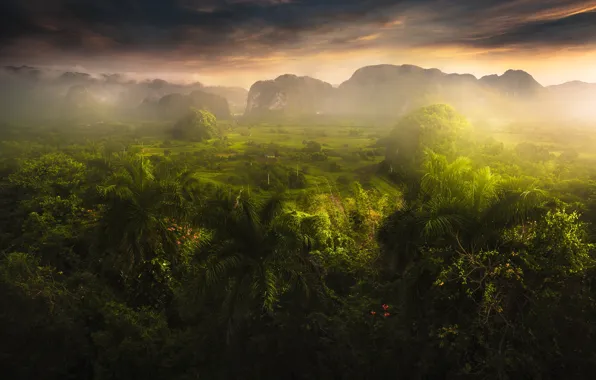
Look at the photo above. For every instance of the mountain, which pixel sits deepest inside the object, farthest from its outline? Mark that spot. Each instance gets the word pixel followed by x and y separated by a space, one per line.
pixel 24 72
pixel 572 88
pixel 394 90
pixel 385 91
pixel 71 78
pixel 236 96
pixel 51 93
pixel 174 106
pixel 288 94
pixel 513 83
pixel 390 90
pixel 578 99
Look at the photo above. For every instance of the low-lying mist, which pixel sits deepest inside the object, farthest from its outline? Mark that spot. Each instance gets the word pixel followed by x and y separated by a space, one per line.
pixel 374 92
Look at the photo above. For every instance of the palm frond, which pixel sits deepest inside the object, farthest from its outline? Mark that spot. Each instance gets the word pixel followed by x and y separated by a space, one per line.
pixel 217 269
pixel 270 294
pixel 484 188
pixel 439 225
pixel 515 207
pixel 271 208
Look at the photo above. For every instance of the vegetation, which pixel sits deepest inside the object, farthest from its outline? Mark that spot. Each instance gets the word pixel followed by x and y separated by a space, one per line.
pixel 196 125
pixel 428 248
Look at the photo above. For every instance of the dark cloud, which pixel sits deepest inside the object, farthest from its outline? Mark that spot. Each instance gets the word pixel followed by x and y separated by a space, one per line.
pixel 210 30
pixel 161 24
pixel 16 21
pixel 573 30
pixel 519 24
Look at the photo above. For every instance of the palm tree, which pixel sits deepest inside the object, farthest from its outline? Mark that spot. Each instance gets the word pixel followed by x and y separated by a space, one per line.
pixel 460 208
pixel 257 254
pixel 136 228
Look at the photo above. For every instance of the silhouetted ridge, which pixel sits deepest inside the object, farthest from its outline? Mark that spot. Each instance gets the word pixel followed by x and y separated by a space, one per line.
pixel 393 90
pixel 513 83
pixel 288 94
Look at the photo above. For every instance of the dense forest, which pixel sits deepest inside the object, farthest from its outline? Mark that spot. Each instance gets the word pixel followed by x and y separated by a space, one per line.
pixel 429 248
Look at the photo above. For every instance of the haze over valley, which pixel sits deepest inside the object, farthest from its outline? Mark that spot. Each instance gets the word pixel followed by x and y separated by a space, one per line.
pixel 375 91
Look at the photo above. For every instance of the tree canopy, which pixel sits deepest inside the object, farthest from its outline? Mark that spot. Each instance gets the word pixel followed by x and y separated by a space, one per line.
pixel 435 127
pixel 196 125
pixel 120 262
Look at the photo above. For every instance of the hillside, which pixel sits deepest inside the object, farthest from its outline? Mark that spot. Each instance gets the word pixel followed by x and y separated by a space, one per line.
pixel 378 91
pixel 392 90
pixel 236 96
pixel 288 94
pixel 513 83
pixel 577 98
pixel 173 106
pixel 26 87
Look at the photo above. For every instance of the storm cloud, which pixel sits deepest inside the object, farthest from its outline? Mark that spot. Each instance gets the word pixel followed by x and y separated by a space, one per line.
pixel 241 33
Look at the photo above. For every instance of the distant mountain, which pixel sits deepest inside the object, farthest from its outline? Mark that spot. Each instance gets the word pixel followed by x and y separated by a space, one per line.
pixel 70 78
pixel 236 96
pixel 391 89
pixel 24 72
pixel 574 87
pixel 513 83
pixel 173 106
pixel 578 99
pixel 394 90
pixel 288 94
pixel 51 93
pixel 386 91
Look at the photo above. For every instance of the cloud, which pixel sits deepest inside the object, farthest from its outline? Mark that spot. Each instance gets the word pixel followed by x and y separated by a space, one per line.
pixel 248 33
pixel 567 31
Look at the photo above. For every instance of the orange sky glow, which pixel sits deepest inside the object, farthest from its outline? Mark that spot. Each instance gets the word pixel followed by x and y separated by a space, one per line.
pixel 238 42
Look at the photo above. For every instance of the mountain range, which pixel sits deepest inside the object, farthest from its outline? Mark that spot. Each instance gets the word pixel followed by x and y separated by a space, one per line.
pixel 372 91
pixel 392 90
pixel 51 94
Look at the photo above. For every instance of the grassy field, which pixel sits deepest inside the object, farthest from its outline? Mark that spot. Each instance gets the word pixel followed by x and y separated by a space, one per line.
pixel 349 151
pixel 249 155
pixel 556 139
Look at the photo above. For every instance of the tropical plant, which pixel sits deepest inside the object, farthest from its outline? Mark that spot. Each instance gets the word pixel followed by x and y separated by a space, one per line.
pixel 257 254
pixel 138 231
pixel 458 206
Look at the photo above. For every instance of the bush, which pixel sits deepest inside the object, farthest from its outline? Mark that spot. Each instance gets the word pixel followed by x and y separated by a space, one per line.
pixel 319 156
pixel 312 146
pixel 343 180
pixel 335 167
pixel 297 181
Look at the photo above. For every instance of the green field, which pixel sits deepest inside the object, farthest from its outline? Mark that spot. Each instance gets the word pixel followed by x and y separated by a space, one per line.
pixel 349 154
pixel 250 155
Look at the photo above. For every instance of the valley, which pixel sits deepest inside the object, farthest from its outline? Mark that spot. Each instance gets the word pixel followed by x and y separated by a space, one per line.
pixel 167 230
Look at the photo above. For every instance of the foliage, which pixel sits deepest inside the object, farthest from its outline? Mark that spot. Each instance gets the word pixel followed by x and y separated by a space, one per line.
pixel 54 173
pixel 450 260
pixel 434 127
pixel 196 125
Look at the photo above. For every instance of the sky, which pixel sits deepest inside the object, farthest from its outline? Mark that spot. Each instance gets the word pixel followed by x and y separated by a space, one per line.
pixel 237 42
